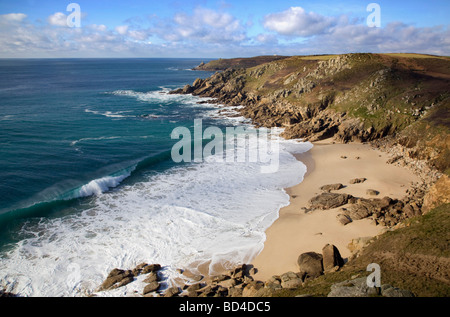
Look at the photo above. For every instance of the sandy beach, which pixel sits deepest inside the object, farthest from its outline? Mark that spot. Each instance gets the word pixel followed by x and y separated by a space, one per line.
pixel 296 232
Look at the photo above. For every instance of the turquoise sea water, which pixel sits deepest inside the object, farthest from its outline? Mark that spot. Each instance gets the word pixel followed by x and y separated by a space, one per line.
pixel 64 123
pixel 87 182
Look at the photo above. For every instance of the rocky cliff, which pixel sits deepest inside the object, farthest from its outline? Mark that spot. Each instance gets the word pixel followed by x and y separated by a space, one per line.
pixel 399 103
pixel 403 99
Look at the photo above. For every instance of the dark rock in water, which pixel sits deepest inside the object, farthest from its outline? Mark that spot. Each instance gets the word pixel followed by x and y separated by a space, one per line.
pixel 199 67
pixel 152 277
pixel 187 89
pixel 150 288
pixel 117 278
pixel 329 201
pixel 172 292
pixel 138 269
pixel 328 188
pixel 311 264
pixel 151 268
pixel 331 258
pixel 176 92
pixel 5 294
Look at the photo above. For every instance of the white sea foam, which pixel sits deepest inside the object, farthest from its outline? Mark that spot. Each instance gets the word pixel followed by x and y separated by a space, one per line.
pixel 210 211
pixel 110 114
pixel 206 211
pixel 162 96
pixel 94 139
pixel 101 185
pixel 6 118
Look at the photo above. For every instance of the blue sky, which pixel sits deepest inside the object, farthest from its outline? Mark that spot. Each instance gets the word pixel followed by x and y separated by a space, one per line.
pixel 224 28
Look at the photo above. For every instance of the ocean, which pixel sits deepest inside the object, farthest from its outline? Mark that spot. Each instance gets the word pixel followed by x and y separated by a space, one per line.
pixel 88 182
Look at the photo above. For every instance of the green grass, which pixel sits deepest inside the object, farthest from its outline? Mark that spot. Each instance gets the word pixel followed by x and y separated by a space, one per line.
pixel 413 55
pixel 425 235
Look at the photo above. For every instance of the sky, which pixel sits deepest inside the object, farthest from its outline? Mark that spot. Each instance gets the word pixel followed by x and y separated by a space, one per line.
pixel 220 28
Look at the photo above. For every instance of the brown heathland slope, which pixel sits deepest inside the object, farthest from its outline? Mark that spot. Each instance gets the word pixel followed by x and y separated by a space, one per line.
pixel 352 97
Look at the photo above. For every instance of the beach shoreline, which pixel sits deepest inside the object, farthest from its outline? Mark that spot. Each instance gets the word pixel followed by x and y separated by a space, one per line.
pixel 299 230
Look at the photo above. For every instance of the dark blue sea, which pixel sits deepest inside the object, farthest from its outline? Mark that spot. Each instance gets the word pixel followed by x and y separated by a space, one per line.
pixel 87 182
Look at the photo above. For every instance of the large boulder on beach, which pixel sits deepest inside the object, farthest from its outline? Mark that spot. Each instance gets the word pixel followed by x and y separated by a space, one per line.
pixel 360 210
pixel 372 192
pixel 331 258
pixel 357 180
pixel 344 219
pixel 310 263
pixel 329 200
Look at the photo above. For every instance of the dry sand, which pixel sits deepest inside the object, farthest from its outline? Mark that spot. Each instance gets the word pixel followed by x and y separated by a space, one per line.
pixel 296 232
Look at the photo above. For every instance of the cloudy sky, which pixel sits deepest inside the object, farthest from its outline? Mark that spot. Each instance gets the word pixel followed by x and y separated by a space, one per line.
pixel 220 28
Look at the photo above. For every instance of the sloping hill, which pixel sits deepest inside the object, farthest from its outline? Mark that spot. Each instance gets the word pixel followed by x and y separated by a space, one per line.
pixel 236 63
pixel 351 97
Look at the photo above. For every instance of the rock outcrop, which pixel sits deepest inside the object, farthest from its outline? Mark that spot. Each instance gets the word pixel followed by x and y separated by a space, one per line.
pixel 329 201
pixel 332 259
pixel 438 194
pixel 311 264
pixel 351 97
pixel 358 288
pixel 118 278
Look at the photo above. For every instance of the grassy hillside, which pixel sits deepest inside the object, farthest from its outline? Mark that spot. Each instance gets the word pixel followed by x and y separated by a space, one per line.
pixel 222 64
pixel 352 97
pixel 391 99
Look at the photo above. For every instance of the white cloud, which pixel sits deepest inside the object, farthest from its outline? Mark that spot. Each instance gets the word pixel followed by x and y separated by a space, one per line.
pixel 297 22
pixel 58 19
pixel 395 38
pixel 322 34
pixel 267 38
pixel 204 25
pixel 12 17
pixel 209 33
pixel 122 29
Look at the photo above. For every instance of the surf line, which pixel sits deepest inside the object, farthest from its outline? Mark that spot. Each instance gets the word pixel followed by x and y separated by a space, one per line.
pixel 253 146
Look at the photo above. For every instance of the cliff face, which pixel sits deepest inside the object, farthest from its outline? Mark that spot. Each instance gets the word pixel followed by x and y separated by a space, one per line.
pixel 352 97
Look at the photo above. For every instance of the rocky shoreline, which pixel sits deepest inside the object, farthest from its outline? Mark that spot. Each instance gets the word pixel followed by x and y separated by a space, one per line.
pixel 239 282
pixel 315 100
pixel 256 94
pixel 313 122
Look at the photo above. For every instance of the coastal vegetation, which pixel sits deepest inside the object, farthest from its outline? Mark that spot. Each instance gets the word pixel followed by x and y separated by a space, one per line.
pixel 399 104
